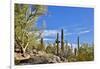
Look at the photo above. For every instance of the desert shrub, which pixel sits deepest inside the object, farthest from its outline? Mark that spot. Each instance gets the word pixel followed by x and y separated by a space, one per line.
pixel 49 49
pixel 86 53
pixel 40 47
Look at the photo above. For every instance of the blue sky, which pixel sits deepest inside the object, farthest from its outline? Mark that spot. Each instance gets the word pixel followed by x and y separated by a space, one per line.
pixel 74 20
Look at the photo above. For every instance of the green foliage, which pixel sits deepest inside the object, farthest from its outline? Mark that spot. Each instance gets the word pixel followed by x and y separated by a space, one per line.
pixel 55 49
pixel 50 49
pixel 28 40
pixel 24 37
pixel 17 62
pixel 86 53
pixel 68 52
pixel 41 46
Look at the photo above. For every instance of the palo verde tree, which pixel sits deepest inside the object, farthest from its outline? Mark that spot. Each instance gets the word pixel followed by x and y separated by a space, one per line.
pixel 25 17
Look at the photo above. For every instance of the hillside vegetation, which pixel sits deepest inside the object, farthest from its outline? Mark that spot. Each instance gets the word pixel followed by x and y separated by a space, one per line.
pixel 30 47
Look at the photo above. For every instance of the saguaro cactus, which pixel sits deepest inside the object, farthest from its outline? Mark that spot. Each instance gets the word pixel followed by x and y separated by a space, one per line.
pixel 42 44
pixel 41 41
pixel 75 51
pixel 62 40
pixel 57 41
pixel 71 46
pixel 78 43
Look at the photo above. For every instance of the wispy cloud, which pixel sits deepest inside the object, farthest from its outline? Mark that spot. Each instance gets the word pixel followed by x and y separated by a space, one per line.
pixel 52 33
pixel 68 33
pixel 71 26
pixel 48 39
pixel 83 32
pixel 80 28
pixel 77 32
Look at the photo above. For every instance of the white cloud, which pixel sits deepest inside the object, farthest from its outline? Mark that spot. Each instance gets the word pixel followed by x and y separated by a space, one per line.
pixel 48 39
pixel 67 33
pixel 50 32
pixel 80 28
pixel 53 33
pixel 74 45
pixel 83 32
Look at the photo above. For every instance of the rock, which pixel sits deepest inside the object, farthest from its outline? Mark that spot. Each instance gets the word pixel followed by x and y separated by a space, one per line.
pixel 63 59
pixel 34 51
pixel 56 59
pixel 17 50
pixel 42 53
pixel 18 56
pixel 38 60
pixel 41 57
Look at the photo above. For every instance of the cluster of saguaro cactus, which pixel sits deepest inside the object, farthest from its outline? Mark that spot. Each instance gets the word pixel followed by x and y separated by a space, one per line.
pixel 76 50
pixel 57 41
pixel 62 40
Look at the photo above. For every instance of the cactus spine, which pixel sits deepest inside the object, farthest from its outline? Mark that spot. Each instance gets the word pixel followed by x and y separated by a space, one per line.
pixel 57 41
pixel 62 41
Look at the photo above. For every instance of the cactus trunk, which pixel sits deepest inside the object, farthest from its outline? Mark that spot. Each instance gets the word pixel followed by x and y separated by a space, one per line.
pixel 42 44
pixel 75 51
pixel 41 41
pixel 62 41
pixel 57 41
pixel 78 43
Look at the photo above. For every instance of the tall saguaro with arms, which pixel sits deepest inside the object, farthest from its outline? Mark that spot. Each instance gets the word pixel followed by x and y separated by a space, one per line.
pixel 57 41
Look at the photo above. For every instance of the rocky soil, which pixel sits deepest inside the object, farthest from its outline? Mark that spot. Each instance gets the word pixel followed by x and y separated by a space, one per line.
pixel 37 57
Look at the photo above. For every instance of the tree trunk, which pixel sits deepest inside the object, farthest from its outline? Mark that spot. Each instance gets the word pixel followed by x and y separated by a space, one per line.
pixel 23 53
pixel 24 50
